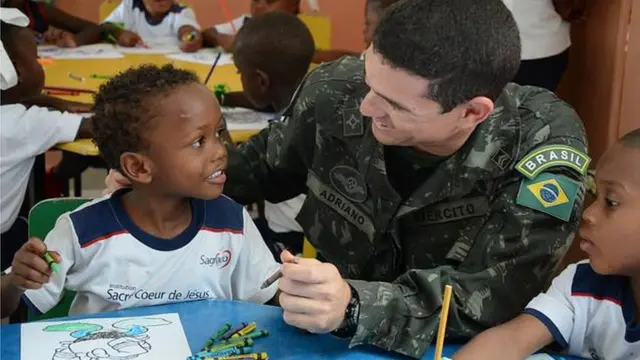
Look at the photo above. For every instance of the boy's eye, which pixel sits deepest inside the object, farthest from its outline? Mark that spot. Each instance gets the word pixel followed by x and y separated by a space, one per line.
pixel 611 203
pixel 198 143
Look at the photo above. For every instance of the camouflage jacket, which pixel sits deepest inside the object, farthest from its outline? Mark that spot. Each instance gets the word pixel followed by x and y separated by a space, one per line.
pixel 463 226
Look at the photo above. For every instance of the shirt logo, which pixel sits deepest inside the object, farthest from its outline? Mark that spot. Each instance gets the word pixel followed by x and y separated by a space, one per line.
pixel 349 183
pixel 352 123
pixel 221 260
pixel 549 193
pixel 553 155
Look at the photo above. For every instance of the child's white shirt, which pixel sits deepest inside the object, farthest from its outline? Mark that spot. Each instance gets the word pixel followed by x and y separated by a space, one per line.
pixel 590 315
pixel 25 133
pixel 112 264
pixel 133 15
pixel 226 28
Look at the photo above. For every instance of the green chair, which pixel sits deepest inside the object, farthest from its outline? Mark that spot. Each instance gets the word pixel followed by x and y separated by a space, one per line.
pixel 42 218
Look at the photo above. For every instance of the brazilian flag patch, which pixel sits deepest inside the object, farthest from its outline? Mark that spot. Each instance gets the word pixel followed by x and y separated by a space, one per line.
pixel 549 193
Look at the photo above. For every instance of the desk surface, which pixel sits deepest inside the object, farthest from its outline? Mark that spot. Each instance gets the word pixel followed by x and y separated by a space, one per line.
pixel 201 319
pixel 57 74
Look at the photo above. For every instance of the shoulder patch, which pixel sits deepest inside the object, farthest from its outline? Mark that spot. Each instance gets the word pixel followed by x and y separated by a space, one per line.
pixel 550 156
pixel 549 193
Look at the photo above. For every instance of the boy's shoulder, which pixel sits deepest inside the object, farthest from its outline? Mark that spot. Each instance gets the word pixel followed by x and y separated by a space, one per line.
pixel 585 282
pixel 223 215
pixel 94 221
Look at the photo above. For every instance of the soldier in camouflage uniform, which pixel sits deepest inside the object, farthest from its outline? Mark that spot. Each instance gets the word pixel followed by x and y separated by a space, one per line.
pixel 452 176
pixel 428 170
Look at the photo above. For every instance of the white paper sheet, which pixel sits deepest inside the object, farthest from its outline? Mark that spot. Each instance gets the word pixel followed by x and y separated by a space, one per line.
pixel 154 46
pixel 203 56
pixel 95 51
pixel 142 338
pixel 246 119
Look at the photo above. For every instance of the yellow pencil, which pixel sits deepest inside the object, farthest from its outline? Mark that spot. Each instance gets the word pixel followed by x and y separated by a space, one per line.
pixel 444 314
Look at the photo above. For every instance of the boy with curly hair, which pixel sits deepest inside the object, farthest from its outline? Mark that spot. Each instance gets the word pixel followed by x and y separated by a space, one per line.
pixel 172 236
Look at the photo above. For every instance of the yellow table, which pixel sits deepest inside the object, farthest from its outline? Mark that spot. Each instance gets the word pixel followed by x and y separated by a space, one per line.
pixel 57 75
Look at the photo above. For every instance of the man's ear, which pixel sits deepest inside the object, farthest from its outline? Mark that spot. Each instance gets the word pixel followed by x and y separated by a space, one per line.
pixel 476 111
pixel 137 167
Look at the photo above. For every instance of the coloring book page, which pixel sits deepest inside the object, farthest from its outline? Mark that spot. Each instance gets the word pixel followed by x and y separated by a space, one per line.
pixel 95 51
pixel 203 56
pixel 141 338
pixel 153 46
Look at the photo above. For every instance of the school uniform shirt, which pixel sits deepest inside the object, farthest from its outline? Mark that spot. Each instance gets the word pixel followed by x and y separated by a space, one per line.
pixel 112 264
pixel 591 315
pixel 24 134
pixel 134 16
pixel 226 28
pixel 543 33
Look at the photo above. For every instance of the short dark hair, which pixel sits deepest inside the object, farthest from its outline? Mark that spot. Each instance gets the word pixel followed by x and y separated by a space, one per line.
pixel 277 43
pixel 631 139
pixel 465 48
pixel 124 107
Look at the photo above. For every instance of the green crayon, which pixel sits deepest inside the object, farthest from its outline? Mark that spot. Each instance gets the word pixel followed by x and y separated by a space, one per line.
pixel 217 335
pixel 253 335
pixel 52 263
pixel 241 343
pixel 98 76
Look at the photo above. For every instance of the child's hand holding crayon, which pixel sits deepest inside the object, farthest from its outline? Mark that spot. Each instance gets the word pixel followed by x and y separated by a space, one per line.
pixel 128 38
pixel 32 265
pixel 191 42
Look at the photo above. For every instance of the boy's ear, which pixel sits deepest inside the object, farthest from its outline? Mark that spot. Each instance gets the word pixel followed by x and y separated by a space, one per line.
pixel 137 167
pixel 263 81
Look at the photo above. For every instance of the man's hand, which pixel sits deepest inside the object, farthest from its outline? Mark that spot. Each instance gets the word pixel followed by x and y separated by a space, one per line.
pixel 67 40
pixel 191 45
pixel 115 181
pixel 129 39
pixel 314 295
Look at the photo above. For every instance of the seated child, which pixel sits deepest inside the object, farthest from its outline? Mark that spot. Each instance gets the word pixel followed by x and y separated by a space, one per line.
pixel 373 11
pixel 172 236
pixel 272 54
pixel 223 34
pixel 592 307
pixel 26 132
pixel 69 31
pixel 135 21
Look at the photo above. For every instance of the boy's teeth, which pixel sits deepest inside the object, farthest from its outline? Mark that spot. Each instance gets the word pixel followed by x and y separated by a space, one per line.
pixel 216 174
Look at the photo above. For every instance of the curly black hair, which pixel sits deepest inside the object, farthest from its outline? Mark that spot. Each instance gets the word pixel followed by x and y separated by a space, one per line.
pixel 124 106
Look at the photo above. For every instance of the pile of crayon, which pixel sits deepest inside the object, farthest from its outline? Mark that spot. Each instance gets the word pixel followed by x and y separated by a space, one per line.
pixel 232 344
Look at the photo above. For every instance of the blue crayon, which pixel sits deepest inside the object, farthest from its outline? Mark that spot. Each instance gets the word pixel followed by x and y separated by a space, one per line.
pixel 228 334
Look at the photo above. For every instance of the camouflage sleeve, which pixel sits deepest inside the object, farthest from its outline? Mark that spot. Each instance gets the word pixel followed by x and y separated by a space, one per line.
pixel 272 165
pixel 512 256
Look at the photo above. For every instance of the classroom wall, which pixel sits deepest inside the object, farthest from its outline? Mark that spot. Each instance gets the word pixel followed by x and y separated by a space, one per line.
pixel 347 16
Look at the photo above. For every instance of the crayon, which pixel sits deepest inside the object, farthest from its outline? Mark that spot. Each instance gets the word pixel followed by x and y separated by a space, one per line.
pixel 45 61
pixel 246 330
pixel 241 343
pixel 253 335
pixel 277 275
pixel 111 38
pixel 253 356
pixel 99 76
pixel 52 263
pixel 217 335
pixel 190 36
pixel 225 352
pixel 76 77
pixel 230 332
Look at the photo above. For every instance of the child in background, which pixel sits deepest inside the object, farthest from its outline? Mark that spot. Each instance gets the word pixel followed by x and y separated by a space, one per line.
pixel 70 31
pixel 592 307
pixel 223 34
pixel 172 236
pixel 273 53
pixel 135 21
pixel 25 132
pixel 373 11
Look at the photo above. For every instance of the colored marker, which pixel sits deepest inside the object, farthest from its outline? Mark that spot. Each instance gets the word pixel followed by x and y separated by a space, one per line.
pixel 98 76
pixel 111 38
pixel 61 93
pixel 228 334
pixel 246 330
pixel 52 263
pixel 76 77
